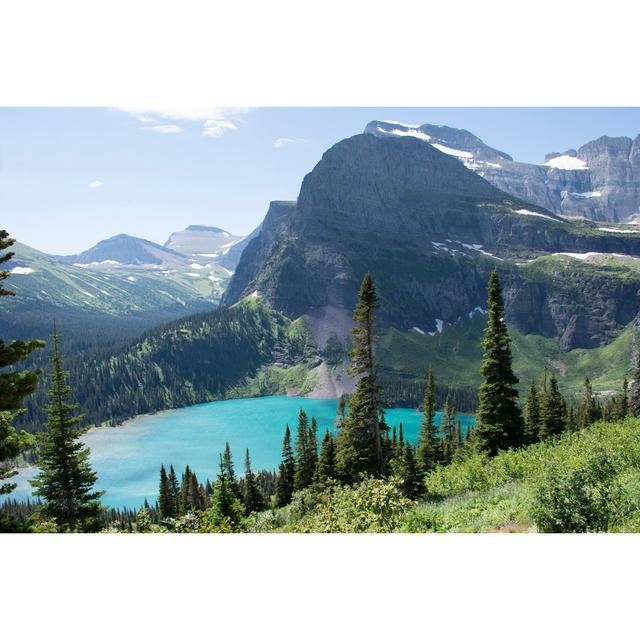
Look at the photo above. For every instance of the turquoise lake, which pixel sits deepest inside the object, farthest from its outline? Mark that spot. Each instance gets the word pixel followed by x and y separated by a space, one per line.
pixel 127 459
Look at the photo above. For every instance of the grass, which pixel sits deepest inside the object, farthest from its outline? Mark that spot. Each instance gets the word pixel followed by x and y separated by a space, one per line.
pixel 558 481
pixel 455 356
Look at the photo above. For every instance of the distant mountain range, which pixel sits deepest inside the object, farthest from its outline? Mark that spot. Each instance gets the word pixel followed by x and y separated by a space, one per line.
pixel 122 282
pixel 599 181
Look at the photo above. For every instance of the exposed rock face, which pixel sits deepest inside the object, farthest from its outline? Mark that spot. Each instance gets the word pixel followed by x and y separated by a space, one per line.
pixel 599 181
pixel 430 231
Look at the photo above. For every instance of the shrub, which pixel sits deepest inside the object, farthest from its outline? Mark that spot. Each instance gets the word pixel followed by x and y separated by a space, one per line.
pixel 572 498
pixel 373 506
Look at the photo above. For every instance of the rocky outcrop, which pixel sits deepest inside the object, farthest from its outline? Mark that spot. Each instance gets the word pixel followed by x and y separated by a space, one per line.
pixel 599 181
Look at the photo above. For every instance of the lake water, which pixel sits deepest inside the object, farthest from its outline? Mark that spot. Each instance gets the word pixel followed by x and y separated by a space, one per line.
pixel 127 459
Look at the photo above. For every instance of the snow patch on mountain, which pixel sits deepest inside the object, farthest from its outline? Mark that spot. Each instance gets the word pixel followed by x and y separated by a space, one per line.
pixel 570 163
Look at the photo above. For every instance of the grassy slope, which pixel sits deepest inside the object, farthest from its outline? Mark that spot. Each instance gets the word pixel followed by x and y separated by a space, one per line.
pixel 456 354
pixel 481 495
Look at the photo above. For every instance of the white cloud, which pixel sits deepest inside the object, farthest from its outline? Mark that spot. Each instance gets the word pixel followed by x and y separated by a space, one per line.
pixel 164 128
pixel 282 141
pixel 216 121
pixel 96 184
pixel 216 128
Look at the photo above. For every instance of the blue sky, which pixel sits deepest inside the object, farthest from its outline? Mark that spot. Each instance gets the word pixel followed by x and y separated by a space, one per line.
pixel 70 177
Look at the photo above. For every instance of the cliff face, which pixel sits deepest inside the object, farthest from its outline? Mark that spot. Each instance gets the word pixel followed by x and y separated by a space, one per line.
pixel 430 230
pixel 599 181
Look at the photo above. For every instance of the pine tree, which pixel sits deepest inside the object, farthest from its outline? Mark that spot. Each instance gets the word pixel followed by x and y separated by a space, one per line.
pixel 553 411
pixel 65 482
pixel 532 416
pixel 313 446
pixel 622 404
pixel 406 468
pixel 166 504
pixel 589 410
pixel 500 423
pixel 448 427
pixel 253 499
pixel 185 492
pixel 359 441
pixel 634 398
pixel 225 510
pixel 14 386
pixel 286 472
pixel 174 490
pixel 430 450
pixel 304 466
pixel 326 467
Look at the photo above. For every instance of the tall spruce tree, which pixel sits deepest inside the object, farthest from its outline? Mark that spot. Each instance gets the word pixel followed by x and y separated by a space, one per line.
pixel 359 442
pixel 553 410
pixel 66 481
pixel 286 472
pixel 14 386
pixel 406 468
pixel 448 428
pixel 166 503
pixel 253 499
pixel 225 510
pixel 326 467
pixel 500 424
pixel 430 451
pixel 313 446
pixel 174 490
pixel 532 416
pixel 589 410
pixel 304 461
pixel 634 395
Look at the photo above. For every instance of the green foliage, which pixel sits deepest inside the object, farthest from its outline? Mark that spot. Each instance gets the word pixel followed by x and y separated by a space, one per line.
pixel 66 481
pixel 306 453
pixel 253 499
pixel 554 410
pixel 326 467
pixel 144 524
pixel 430 450
pixel 576 499
pixel 499 420
pixel 372 506
pixel 14 386
pixel 286 472
pixel 584 480
pixel 359 442
pixel 225 512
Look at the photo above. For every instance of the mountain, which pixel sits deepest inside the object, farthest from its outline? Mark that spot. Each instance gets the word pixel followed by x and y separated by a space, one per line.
pixel 231 256
pixel 431 230
pixel 123 250
pixel 200 240
pixel 599 181
pixel 99 298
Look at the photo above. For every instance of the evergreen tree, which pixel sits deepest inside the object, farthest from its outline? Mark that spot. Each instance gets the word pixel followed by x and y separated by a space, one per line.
pixel 406 468
pixel 359 442
pixel 253 499
pixel 634 398
pixel 622 404
pixel 227 461
pixel 286 472
pixel 174 490
pixel 304 463
pixel 430 451
pixel 459 438
pixel 532 416
pixel 186 503
pixel 225 510
pixel 313 446
pixel 326 467
pixel 589 410
pixel 448 427
pixel 166 503
pixel 66 481
pixel 14 386
pixel 500 423
pixel 553 410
